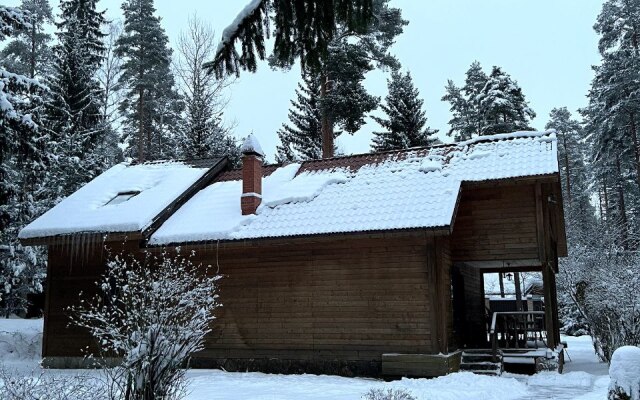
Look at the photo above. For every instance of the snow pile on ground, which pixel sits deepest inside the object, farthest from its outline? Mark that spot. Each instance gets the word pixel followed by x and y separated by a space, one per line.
pixel 585 378
pixel 464 385
pixel 20 339
pixel 625 371
pixel 399 190
pixel 254 386
pixel 153 185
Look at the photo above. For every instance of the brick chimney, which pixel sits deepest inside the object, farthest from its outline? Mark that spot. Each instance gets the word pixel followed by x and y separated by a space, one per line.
pixel 252 156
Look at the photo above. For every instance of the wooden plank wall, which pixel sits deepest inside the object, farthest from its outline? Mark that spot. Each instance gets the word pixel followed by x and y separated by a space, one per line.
pixel 301 302
pixel 72 268
pixel 495 223
pixel 348 299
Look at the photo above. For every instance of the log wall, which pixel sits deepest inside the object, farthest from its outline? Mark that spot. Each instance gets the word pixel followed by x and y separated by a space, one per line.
pixel 324 305
pixel 495 223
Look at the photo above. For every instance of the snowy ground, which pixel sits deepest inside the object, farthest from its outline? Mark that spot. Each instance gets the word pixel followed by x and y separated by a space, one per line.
pixel 584 378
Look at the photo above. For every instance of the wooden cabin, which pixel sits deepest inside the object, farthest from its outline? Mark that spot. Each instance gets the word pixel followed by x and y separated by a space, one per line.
pixel 364 265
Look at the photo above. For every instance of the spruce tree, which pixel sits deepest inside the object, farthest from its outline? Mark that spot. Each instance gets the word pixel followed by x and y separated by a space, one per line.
pixel 23 162
pixel 73 111
pixel 301 139
pixel 151 106
pixel 406 120
pixel 30 53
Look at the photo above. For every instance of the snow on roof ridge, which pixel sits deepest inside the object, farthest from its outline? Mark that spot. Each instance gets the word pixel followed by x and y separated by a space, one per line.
pixel 506 136
pixel 251 145
pixel 479 139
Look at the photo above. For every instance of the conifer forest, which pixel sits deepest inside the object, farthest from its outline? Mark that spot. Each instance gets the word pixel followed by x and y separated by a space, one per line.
pixel 81 92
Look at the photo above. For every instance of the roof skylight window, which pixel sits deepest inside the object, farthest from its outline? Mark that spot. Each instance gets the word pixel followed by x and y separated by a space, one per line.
pixel 121 198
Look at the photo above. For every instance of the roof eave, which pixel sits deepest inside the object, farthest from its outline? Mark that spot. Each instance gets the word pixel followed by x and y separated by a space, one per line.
pixel 85 236
pixel 430 231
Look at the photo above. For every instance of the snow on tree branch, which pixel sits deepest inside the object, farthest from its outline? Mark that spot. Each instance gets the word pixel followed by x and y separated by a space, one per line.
pixel 250 26
pixel 12 21
pixel 303 30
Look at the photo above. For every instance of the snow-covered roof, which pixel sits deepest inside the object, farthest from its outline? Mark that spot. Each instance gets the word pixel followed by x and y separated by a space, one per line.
pixel 141 192
pixel 416 188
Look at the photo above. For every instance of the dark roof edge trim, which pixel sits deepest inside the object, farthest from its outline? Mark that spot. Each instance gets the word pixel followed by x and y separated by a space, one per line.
pixel 185 196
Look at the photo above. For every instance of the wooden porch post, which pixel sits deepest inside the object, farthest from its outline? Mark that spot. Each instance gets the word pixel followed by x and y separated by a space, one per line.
pixel 439 301
pixel 548 277
pixel 516 282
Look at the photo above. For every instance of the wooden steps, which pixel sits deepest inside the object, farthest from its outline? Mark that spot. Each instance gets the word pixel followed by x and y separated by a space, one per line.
pixel 480 361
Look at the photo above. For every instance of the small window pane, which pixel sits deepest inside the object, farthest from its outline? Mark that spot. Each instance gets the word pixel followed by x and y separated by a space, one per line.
pixel 121 198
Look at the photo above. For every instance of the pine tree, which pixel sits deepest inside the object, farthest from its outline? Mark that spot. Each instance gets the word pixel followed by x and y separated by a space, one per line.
pixel 597 276
pixel 503 105
pixel 618 27
pixel 152 106
pixel 343 100
pixel 613 114
pixel 23 158
pixel 202 133
pixel 406 120
pixel 353 37
pixel 573 170
pixel 301 139
pixel 74 118
pixel 467 119
pixel 30 54
pixel 487 105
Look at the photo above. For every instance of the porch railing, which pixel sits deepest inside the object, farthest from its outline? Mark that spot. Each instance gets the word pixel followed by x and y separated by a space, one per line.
pixel 514 329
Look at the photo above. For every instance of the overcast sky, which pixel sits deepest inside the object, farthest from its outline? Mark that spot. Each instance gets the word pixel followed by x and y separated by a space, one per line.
pixel 548 46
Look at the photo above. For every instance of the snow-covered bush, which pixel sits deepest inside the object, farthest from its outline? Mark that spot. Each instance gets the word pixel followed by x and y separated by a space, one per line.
pixel 46 386
pixel 389 394
pixel 154 314
pixel 600 277
pixel 625 374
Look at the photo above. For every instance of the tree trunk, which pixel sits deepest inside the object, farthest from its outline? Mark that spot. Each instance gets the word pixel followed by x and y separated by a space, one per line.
pixel 606 198
pixel 325 122
pixel 501 282
pixel 566 167
pixel 600 200
pixel 32 69
pixel 141 136
pixel 622 209
pixel 636 146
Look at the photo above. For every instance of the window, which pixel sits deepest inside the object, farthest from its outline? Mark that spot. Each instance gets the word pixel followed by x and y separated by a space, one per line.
pixel 121 198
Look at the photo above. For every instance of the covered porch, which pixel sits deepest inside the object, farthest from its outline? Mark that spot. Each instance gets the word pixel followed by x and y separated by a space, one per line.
pixel 505 315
